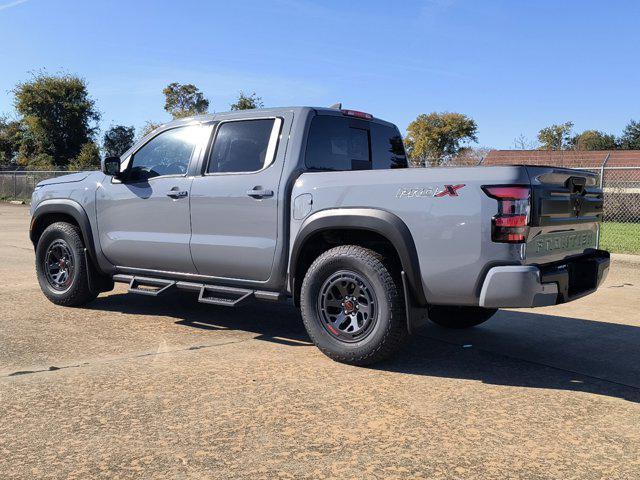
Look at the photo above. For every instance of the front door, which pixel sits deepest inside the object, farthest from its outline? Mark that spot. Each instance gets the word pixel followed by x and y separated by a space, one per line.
pixel 143 219
pixel 234 204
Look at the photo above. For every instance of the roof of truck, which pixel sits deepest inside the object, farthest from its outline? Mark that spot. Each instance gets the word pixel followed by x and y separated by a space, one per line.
pixel 261 111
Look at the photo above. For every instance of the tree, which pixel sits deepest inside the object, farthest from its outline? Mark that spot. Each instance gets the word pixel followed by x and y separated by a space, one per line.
pixel 58 113
pixel 435 137
pixel 521 142
pixel 11 133
pixel 594 140
pixel 247 102
pixel 41 161
pixel 87 159
pixel 556 137
pixel 184 100
pixel 148 128
pixel 630 139
pixel 117 140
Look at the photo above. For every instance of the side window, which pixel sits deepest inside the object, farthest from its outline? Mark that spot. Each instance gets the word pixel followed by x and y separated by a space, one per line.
pixel 387 149
pixel 335 144
pixel 244 146
pixel 166 154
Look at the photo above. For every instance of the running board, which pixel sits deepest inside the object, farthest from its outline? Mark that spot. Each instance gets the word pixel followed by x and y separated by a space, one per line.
pixel 150 286
pixel 207 293
pixel 227 296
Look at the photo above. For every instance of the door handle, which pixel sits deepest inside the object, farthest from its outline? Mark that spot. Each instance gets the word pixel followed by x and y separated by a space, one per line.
pixel 258 192
pixel 177 193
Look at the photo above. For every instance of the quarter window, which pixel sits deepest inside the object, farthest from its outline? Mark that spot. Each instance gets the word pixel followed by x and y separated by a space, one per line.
pixel 334 145
pixel 338 143
pixel 168 153
pixel 244 146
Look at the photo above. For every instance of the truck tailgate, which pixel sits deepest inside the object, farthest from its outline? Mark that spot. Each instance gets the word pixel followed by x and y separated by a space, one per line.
pixel 566 211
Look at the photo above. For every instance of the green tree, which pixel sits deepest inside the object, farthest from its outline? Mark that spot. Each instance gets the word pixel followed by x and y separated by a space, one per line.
pixel 11 134
pixel 432 139
pixel 630 139
pixel 117 140
pixel 247 102
pixel 556 137
pixel 58 113
pixel 594 140
pixel 184 100
pixel 87 159
pixel 41 161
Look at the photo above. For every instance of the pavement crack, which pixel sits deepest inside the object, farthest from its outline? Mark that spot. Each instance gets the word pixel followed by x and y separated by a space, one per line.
pixel 54 368
pixel 18 247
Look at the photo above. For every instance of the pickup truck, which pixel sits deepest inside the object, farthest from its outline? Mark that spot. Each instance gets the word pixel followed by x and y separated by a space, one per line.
pixel 318 205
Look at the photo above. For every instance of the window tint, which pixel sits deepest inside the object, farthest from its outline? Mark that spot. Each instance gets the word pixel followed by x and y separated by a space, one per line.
pixel 242 146
pixel 338 143
pixel 335 145
pixel 166 154
pixel 387 150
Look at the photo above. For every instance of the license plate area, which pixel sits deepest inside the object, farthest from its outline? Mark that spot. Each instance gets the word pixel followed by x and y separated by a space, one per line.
pixel 583 277
pixel 576 277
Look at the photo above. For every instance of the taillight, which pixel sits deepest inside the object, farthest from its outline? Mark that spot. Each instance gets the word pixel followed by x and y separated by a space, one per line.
pixel 509 225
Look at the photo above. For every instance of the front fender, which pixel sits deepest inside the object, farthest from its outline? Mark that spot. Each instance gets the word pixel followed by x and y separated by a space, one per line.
pixel 74 210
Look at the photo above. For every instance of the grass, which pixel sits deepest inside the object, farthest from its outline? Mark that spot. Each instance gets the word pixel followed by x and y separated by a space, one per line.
pixel 620 237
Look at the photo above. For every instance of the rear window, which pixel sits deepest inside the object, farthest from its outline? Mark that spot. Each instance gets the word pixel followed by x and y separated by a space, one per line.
pixel 338 143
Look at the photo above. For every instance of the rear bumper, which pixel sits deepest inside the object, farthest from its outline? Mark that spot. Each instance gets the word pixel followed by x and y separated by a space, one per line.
pixel 543 285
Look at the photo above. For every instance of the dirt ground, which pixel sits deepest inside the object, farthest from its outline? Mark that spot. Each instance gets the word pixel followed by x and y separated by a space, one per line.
pixel 137 387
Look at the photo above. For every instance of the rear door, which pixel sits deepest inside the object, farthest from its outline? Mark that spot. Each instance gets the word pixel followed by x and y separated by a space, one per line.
pixel 566 211
pixel 234 203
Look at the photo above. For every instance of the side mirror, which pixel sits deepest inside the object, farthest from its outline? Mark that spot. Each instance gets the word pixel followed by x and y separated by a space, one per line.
pixel 111 166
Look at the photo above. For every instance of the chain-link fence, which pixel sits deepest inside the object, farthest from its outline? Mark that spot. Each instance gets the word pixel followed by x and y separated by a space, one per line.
pixel 621 227
pixel 19 185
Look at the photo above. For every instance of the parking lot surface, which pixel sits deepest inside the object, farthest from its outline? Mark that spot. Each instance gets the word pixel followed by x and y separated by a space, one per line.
pixel 139 387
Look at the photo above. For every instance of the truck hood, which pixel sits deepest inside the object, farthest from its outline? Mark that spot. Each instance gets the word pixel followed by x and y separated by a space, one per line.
pixel 73 177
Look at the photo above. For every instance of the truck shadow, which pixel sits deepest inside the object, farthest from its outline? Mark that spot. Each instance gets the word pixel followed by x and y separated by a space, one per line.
pixel 514 348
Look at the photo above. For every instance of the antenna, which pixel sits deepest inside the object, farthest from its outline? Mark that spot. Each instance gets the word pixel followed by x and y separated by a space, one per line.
pixel 337 105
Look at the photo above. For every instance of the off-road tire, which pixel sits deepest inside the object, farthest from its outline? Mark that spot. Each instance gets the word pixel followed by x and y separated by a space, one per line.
pixel 79 292
pixel 388 331
pixel 460 317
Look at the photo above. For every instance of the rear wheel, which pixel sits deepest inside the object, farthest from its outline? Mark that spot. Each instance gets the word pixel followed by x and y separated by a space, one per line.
pixel 61 265
pixel 459 317
pixel 352 306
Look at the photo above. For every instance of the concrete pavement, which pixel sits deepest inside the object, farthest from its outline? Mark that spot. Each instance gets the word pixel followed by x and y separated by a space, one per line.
pixel 133 387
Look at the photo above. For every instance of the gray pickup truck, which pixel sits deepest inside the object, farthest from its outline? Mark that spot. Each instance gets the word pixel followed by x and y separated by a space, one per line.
pixel 318 205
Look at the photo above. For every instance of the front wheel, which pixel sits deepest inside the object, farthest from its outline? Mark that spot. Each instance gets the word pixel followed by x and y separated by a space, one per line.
pixel 62 267
pixel 460 317
pixel 352 306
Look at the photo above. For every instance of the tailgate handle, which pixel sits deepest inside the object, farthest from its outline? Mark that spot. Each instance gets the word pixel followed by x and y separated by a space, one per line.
pixel 576 184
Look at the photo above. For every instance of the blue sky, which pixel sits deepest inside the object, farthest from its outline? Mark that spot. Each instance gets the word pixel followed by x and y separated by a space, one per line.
pixel 513 66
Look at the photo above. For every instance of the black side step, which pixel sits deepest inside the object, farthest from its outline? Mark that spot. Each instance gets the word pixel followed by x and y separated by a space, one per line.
pixel 150 286
pixel 226 296
pixel 208 293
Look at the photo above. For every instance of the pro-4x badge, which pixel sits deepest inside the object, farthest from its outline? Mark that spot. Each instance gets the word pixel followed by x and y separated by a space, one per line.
pixel 434 192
